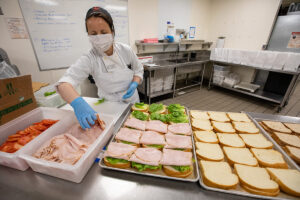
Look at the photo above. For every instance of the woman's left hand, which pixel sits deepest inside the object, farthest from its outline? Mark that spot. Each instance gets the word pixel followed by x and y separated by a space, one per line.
pixel 133 85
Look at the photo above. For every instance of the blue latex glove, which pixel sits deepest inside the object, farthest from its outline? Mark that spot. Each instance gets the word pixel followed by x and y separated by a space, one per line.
pixel 85 115
pixel 133 85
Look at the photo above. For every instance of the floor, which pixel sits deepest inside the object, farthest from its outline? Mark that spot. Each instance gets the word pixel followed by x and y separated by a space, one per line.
pixel 219 99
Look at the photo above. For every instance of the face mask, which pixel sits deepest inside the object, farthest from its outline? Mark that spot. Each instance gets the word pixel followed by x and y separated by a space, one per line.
pixel 101 42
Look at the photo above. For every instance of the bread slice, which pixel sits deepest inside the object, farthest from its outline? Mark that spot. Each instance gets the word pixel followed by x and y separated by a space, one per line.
pixel 117 165
pixel 223 127
pixel 294 127
pixel 238 117
pixel 218 174
pixel 293 152
pixel 239 156
pixel 288 180
pixel 276 126
pixel 207 151
pixel 206 136
pixel 199 115
pixel 201 125
pixel 170 171
pixel 265 127
pixel 245 127
pixel 269 158
pixel 256 178
pixel 143 108
pixel 231 140
pixel 256 141
pixel 218 116
pixel 260 192
pixel 286 139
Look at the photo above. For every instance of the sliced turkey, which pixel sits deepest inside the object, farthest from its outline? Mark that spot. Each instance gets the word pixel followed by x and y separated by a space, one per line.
pixel 176 158
pixel 152 137
pixel 129 135
pixel 156 125
pixel 135 123
pixel 119 150
pixel 147 156
pixel 180 128
pixel 178 141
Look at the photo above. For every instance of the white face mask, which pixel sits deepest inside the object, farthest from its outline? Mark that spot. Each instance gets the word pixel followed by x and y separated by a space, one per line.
pixel 101 42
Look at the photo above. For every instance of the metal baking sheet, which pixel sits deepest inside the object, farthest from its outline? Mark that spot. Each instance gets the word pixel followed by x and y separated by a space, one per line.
pixel 194 177
pixel 257 117
pixel 239 190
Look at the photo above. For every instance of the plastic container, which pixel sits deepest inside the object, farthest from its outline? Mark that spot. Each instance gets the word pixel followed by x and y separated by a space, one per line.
pixel 221 70
pixel 231 80
pixel 170 31
pixel 12 159
pixel 218 80
pixel 74 173
pixel 6 71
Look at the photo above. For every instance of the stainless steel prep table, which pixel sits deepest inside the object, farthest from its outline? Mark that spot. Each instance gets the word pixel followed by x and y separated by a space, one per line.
pixel 99 184
pixel 170 64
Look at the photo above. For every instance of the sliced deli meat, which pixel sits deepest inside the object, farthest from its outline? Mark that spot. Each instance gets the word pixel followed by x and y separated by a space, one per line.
pixel 147 156
pixel 119 150
pixel 176 158
pixel 180 128
pixel 156 125
pixel 178 141
pixel 152 137
pixel 129 135
pixel 135 123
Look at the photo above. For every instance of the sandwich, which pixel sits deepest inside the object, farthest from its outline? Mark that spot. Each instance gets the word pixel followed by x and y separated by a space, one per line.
pixel 178 142
pixel 276 126
pixel 158 108
pixel 207 151
pixel 256 180
pixel 175 108
pixel 152 139
pixel 118 154
pixel 218 116
pixel 161 117
pixel 140 107
pixel 129 136
pixel 206 136
pixel 245 127
pixel 269 158
pixel 180 128
pixel 218 175
pixel 146 159
pixel 199 115
pixel 177 163
pixel 238 117
pixel 139 115
pixel 135 124
pixel 231 140
pixel 256 141
pixel 177 117
pixel 240 156
pixel 156 125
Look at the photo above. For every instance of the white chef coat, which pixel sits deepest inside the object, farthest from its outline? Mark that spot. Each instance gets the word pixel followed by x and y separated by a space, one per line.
pixel 111 73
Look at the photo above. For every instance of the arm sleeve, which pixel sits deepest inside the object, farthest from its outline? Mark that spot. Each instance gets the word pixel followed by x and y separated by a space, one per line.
pixel 136 65
pixel 77 72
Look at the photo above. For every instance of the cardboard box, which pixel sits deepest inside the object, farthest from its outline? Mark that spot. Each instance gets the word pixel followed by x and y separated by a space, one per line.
pixel 16 98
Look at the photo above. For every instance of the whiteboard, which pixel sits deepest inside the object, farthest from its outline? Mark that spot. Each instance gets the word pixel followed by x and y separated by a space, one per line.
pixel 57 28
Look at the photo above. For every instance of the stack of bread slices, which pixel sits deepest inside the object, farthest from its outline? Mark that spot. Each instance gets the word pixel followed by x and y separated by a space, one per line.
pixel 231 151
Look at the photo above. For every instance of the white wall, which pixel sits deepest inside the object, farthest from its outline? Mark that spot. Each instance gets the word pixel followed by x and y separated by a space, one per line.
pixel 246 24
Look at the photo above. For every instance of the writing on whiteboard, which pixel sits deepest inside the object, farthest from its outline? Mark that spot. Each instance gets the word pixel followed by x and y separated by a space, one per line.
pixel 52 17
pixel 57 44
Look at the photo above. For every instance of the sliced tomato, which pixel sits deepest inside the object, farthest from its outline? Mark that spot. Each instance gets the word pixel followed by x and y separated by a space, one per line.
pixel 24 140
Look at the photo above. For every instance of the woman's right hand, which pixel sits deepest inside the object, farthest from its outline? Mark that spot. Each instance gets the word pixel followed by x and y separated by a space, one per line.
pixel 85 114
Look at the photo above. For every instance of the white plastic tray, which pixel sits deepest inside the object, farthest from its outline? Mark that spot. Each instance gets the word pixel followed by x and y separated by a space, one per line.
pixel 74 173
pixel 12 159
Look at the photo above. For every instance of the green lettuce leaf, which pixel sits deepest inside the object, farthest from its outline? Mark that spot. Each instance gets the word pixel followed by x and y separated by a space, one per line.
pixel 139 115
pixel 142 167
pixel 182 168
pixel 178 117
pixel 159 146
pixel 156 107
pixel 161 117
pixel 140 105
pixel 175 108
pixel 99 101
pixel 126 142
pixel 116 160
pixel 49 93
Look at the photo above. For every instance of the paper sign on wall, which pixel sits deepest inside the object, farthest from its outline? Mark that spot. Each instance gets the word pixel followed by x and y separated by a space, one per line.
pixel 294 41
pixel 16 28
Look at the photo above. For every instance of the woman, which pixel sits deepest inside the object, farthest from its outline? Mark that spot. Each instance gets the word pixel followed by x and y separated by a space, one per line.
pixel 114 67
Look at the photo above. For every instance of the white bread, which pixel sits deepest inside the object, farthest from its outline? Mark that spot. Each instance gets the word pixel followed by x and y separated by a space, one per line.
pixel 294 127
pixel 231 140
pixel 117 165
pixel 170 171
pixel 286 139
pixel 201 125
pixel 265 127
pixel 199 114
pixel 276 126
pixel 269 158
pixel 239 156
pixel 207 151
pixel 256 178
pixel 218 116
pixel 223 127
pixel 206 136
pixel 294 153
pixel 245 127
pixel 238 117
pixel 288 180
pixel 218 174
pixel 256 141
pixel 260 192
pixel 144 109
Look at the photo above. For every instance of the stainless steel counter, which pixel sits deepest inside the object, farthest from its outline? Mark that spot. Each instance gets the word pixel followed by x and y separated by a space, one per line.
pixel 169 64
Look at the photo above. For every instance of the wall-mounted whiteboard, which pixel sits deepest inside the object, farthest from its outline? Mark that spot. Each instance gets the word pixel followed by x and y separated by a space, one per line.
pixel 57 28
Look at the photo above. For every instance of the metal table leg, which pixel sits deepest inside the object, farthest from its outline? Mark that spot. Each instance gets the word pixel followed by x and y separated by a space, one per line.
pixel 203 72
pixel 146 76
pixel 210 77
pixel 149 98
pixel 174 88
